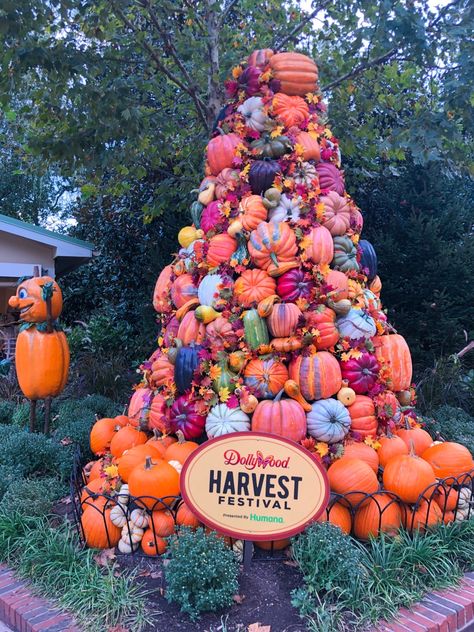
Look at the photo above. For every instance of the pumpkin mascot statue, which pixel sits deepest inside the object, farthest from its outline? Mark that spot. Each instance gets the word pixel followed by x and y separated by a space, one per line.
pixel 42 352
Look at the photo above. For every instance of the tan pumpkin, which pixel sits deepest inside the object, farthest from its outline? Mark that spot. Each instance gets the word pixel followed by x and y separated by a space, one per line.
pixel 337 213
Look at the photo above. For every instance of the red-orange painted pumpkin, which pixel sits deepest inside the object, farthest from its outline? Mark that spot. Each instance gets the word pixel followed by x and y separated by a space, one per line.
pixel 183 290
pixel 393 351
pixel 253 286
pixel 297 73
pixel 318 375
pixel 362 412
pixel 283 319
pixel 272 243
pixel 252 212
pixel 320 245
pixel 221 248
pixel 161 293
pixel 283 417
pixel 191 329
pixel 323 319
pixel 221 152
pixel 311 149
pixel 338 282
pixel 291 110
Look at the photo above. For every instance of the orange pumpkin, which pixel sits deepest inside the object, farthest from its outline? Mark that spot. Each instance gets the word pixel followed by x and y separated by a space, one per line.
pixel 449 459
pixel 272 243
pixel 291 110
pixel 134 457
pixel 29 300
pixel 98 529
pixel 339 285
pixel 283 319
pixel 337 213
pixel 447 497
pixel 376 285
pixel 338 515
pixel 285 345
pixel 273 545
pixel 92 488
pixel 42 363
pixel 252 212
pixel 162 371
pixel 180 450
pixel 390 446
pixel 319 245
pixel 153 545
pixel 221 248
pixel 267 377
pixel 318 375
pixel 408 476
pixel 183 290
pixel 297 73
pixel 95 470
pixel 323 319
pixel 152 481
pixel 162 523
pixel 161 293
pixel 126 438
pixel 252 286
pixel 426 515
pixel 191 330
pixel 311 149
pixel 221 334
pixel 354 478
pixel 363 419
pixel 260 57
pixel 282 417
pixel 102 433
pixel 186 518
pixel 381 513
pixel 160 442
pixel 362 451
pixel 393 351
pixel 220 152
pixel 415 439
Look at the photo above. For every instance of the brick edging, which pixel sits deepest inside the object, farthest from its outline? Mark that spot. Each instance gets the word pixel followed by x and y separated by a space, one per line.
pixel 23 611
pixel 450 610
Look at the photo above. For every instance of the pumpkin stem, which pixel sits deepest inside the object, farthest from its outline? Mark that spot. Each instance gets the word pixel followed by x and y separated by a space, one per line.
pixel 148 463
pixel 273 257
pixel 278 395
pixel 181 437
pixel 412 448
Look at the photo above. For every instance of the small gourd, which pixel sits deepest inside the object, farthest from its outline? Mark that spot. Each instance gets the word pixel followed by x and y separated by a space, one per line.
pixel 139 518
pixel 124 495
pixel 206 314
pixel 188 234
pixel 132 533
pixel 124 546
pixel 346 396
pixel 118 516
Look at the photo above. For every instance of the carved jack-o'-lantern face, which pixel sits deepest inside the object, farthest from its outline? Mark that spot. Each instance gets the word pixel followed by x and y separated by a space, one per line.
pixel 30 299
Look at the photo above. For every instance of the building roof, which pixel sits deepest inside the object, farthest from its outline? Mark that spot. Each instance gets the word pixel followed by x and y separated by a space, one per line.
pixel 39 230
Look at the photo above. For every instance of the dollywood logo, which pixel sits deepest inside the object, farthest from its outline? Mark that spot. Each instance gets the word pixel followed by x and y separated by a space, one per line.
pixel 253 460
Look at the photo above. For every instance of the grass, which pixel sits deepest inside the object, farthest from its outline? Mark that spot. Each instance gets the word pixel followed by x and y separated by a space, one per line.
pixel 49 557
pixel 391 572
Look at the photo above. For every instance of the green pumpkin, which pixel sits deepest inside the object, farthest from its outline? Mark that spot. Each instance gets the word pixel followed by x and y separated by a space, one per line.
pixel 255 328
pixel 241 254
pixel 196 212
pixel 345 255
pixel 269 147
pixel 226 379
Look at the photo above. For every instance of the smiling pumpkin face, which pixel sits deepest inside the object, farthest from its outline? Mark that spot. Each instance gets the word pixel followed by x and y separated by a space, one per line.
pixel 30 301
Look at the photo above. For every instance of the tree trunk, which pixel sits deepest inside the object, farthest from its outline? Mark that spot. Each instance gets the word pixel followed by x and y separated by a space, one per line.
pixel 213 84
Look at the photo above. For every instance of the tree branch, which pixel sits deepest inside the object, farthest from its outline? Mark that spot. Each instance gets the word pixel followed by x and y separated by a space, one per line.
pixel 201 111
pixel 196 18
pixel 442 13
pixel 226 11
pixel 377 61
pixel 301 25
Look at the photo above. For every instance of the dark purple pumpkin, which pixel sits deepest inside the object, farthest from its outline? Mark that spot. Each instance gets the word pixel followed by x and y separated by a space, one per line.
pixel 368 258
pixel 184 416
pixel 249 81
pixel 330 177
pixel 361 373
pixel 262 174
pixel 170 332
pixel 294 284
pixel 187 361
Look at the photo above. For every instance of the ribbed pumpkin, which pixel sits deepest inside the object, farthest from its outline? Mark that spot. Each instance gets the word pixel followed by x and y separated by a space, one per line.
pixel 356 324
pixel 266 377
pixel 311 148
pixel 253 286
pixel 449 459
pixel 183 290
pixel 415 439
pixel 227 180
pixel 362 412
pixel 162 523
pixel 328 421
pixel 220 152
pixel 99 530
pixel 393 351
pixel 283 319
pixel 345 255
pixel 338 284
pixel 381 513
pixel 162 371
pixel 389 447
pixel 282 417
pixel 126 438
pixel 408 476
pixel 297 73
pixel 330 178
pixel 368 259
pixel 323 319
pixel 318 375
pixel 362 451
pixel 338 515
pixel 291 110
pixel 221 334
pixel 447 497
pixel 191 330
pixel 153 545
pixel 252 212
pixel 180 450
pixel 260 57
pixel 262 174
pixel 221 248
pixel 320 245
pixel 102 434
pixel 354 478
pixel 223 420
pixel 136 456
pixel 361 373
pixel 154 480
pixel 186 518
pixel 294 284
pixel 272 243
pixel 161 293
pixel 337 213
pixel 160 442
pixel 185 416
pixel 426 516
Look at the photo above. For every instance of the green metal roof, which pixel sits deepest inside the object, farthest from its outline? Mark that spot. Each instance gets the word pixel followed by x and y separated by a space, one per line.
pixel 44 231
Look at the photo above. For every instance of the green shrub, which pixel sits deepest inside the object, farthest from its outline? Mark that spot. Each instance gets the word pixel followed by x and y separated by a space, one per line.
pixel 32 497
pixel 36 454
pixel 202 572
pixel 78 432
pixel 452 424
pixel 6 412
pixel 21 415
pixel 8 475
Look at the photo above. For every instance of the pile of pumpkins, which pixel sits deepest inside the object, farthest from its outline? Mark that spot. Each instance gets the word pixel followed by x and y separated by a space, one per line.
pixel 270 313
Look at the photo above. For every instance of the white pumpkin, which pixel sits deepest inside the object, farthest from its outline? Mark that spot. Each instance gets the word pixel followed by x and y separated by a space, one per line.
pixel 223 420
pixel 252 111
pixel 177 466
pixel 124 495
pixel 125 547
pixel 328 420
pixel 139 518
pixel 208 290
pixel 118 515
pixel 356 324
pixel 132 533
pixel 288 208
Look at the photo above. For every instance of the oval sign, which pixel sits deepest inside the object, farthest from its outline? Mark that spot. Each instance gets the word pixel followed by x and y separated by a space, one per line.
pixel 254 486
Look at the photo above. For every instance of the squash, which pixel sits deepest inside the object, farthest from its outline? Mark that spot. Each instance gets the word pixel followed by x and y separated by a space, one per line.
pixel 328 421
pixel 253 286
pixel 269 146
pixel 318 375
pixel 255 328
pixel 368 259
pixel 187 361
pixel 223 420
pixel 296 73
pixel 288 209
pixel 346 396
pixel 330 178
pixel 294 284
pixel 345 254
pixel 283 417
pixel 292 389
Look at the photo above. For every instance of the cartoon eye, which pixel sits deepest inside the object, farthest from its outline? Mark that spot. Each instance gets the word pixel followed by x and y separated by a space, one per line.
pixel 22 293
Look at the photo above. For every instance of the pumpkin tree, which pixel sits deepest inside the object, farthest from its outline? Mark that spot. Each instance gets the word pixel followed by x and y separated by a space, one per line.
pixel 270 313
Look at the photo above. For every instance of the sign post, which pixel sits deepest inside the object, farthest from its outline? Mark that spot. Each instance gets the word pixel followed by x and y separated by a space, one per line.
pixel 254 486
